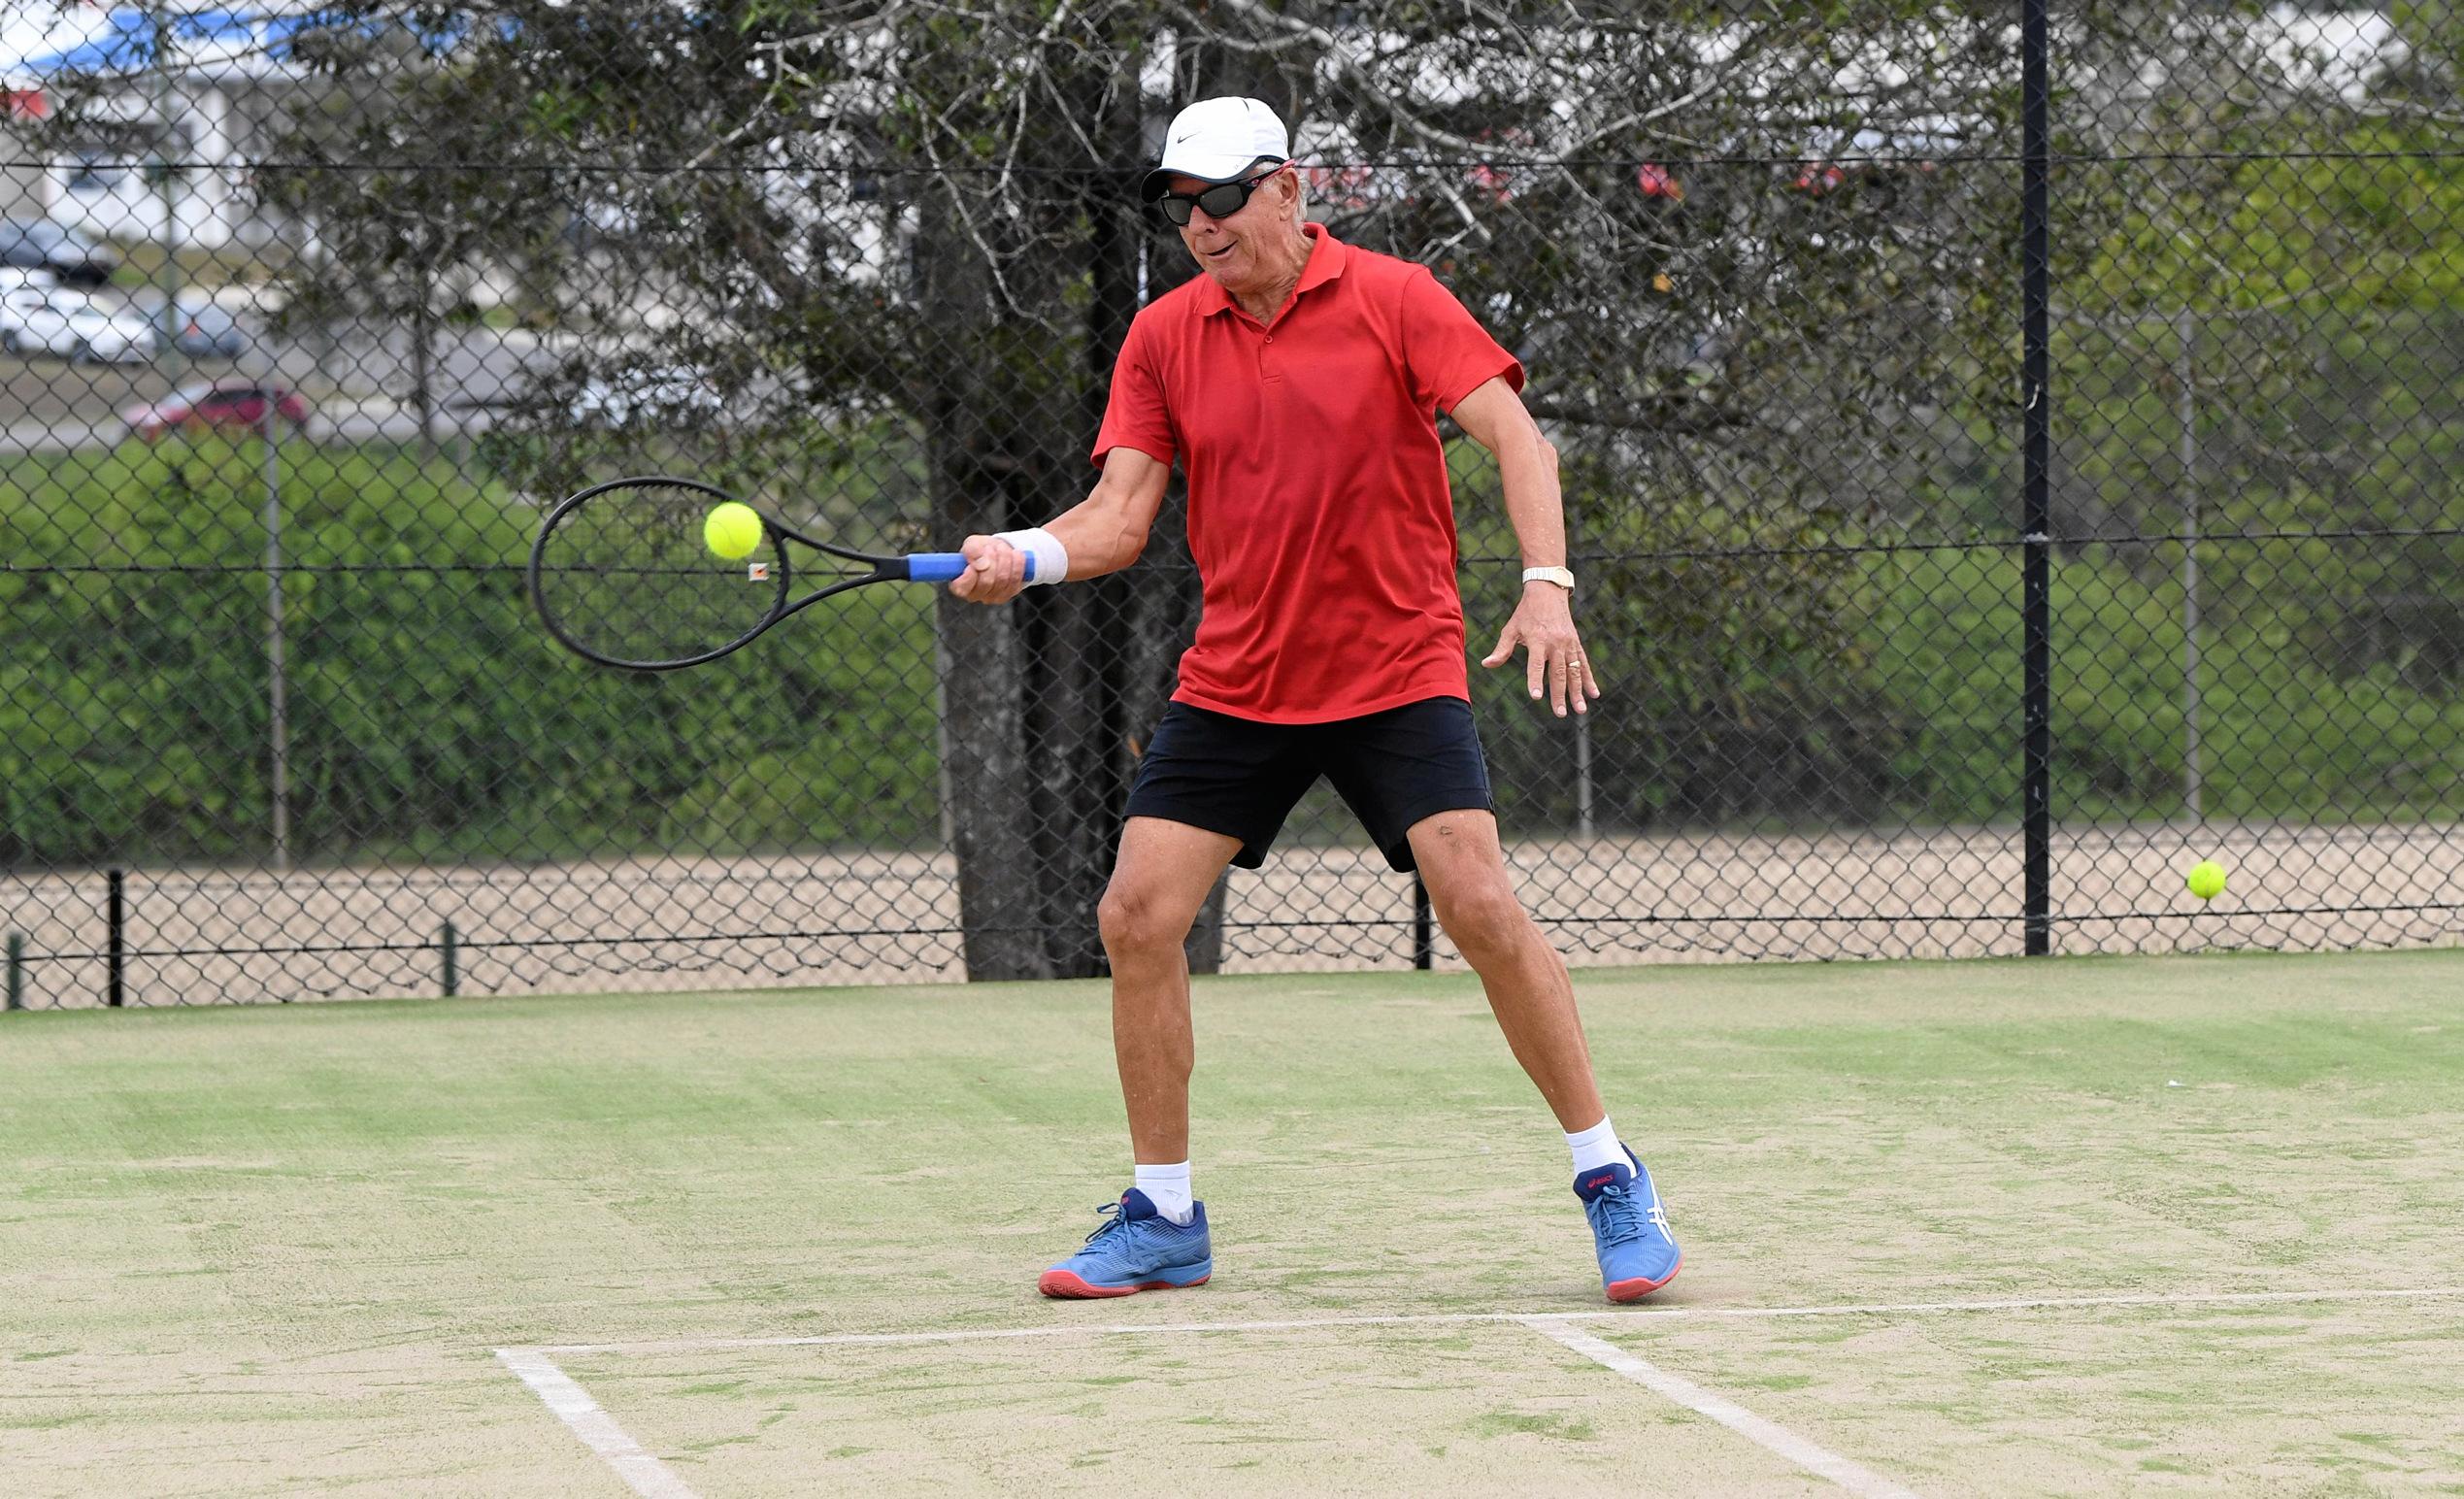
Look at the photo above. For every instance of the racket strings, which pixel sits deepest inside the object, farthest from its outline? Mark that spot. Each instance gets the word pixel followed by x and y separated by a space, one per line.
pixel 628 576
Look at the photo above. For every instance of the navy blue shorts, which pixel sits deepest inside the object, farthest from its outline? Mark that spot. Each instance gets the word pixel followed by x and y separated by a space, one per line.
pixel 1241 778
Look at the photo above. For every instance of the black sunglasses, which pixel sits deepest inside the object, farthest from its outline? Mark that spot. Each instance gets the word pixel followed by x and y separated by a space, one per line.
pixel 1220 201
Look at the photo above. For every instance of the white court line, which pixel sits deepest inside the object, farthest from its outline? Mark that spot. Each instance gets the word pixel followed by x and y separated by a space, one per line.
pixel 643 1473
pixel 1769 1435
pixel 1625 1314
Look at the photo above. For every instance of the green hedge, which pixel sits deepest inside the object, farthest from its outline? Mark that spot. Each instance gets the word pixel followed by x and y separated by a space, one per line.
pixel 2280 736
pixel 428 713
pixel 430 717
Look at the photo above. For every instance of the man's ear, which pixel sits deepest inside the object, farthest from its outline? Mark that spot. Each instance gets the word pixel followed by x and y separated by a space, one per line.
pixel 1291 190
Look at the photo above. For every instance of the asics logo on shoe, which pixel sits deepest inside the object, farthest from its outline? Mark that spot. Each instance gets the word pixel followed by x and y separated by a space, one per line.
pixel 1602 1181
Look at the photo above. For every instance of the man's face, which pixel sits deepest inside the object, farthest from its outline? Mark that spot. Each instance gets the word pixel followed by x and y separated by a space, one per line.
pixel 1235 250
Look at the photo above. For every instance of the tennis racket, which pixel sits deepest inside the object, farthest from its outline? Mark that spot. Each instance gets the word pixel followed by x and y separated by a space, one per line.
pixel 621 576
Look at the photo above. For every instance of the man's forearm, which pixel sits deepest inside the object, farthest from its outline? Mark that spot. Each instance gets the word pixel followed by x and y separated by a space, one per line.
pixel 1535 506
pixel 1102 532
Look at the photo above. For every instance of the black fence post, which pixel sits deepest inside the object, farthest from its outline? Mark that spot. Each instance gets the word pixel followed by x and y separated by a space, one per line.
pixel 453 967
pixel 17 971
pixel 2036 586
pixel 1423 946
pixel 115 947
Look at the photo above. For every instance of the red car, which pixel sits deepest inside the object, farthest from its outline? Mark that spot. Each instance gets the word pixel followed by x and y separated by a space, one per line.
pixel 237 407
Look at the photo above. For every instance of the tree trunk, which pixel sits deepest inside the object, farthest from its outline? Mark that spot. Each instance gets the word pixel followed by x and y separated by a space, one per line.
pixel 1038 740
pixel 1050 700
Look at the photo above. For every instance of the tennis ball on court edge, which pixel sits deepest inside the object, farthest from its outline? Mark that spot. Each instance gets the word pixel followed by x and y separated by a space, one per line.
pixel 732 530
pixel 2206 880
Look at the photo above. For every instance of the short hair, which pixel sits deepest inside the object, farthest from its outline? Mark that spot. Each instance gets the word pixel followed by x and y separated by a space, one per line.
pixel 1300 184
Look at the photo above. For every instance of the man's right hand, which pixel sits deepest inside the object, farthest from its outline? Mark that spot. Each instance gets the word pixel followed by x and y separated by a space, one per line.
pixel 996 571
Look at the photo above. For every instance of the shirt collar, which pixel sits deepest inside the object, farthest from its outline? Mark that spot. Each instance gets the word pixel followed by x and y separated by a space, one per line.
pixel 1325 264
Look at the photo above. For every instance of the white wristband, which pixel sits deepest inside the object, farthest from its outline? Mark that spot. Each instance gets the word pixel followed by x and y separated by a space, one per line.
pixel 1052 559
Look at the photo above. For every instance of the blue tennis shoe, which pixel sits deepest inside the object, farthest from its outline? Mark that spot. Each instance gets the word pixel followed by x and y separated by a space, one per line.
pixel 1136 1249
pixel 1638 1254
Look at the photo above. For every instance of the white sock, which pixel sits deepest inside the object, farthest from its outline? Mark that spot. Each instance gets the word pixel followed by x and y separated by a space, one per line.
pixel 1597 1147
pixel 1168 1189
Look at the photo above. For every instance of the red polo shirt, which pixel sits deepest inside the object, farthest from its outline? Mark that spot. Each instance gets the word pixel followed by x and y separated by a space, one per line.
pixel 1318 508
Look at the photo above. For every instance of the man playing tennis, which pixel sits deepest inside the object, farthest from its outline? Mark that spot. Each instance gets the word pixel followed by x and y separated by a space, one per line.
pixel 1298 382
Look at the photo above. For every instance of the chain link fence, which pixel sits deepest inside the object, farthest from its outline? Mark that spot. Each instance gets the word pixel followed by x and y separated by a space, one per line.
pixel 2010 456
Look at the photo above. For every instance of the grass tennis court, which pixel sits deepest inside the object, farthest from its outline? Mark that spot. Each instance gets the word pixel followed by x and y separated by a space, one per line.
pixel 2070 1226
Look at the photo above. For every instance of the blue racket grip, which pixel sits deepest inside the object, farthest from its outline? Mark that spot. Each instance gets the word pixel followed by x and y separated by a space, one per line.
pixel 943 566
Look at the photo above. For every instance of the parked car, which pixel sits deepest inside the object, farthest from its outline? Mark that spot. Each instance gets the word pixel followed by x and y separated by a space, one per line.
pixel 38 243
pixel 645 396
pixel 31 322
pixel 56 320
pixel 233 406
pixel 110 334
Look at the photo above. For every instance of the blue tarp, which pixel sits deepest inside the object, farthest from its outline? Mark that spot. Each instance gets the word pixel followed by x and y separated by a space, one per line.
pixel 126 39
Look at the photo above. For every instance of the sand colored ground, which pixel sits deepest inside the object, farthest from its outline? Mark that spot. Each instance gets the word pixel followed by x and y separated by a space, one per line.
pixel 837 917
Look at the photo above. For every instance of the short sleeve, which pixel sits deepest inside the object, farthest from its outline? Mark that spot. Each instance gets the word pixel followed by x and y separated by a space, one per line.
pixel 1445 351
pixel 1135 415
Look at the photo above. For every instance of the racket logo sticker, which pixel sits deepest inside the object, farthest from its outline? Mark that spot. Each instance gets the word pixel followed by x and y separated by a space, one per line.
pixel 757 572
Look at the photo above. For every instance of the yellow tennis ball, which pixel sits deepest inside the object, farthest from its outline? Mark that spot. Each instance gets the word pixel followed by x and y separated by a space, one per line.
pixel 732 530
pixel 2206 880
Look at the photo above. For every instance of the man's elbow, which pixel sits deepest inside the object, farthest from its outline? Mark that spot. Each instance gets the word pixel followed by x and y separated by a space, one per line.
pixel 1128 546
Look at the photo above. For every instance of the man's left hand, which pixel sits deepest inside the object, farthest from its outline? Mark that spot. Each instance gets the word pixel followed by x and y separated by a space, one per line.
pixel 1543 626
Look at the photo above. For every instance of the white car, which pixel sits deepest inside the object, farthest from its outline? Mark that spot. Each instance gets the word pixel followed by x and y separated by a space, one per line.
pixel 645 396
pixel 110 334
pixel 31 324
pixel 55 321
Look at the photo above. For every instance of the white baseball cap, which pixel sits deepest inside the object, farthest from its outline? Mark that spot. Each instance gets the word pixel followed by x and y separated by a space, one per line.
pixel 1218 141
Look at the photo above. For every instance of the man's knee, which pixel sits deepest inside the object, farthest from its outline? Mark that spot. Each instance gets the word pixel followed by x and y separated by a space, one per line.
pixel 1481 918
pixel 1137 922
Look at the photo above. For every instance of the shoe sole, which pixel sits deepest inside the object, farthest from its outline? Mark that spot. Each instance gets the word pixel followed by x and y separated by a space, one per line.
pixel 1640 1286
pixel 1068 1286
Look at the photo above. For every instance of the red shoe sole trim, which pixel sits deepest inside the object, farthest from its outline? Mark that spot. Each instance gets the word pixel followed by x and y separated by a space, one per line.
pixel 1639 1287
pixel 1066 1284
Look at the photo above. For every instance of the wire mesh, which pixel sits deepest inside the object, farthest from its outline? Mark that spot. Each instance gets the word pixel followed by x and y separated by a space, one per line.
pixel 311 310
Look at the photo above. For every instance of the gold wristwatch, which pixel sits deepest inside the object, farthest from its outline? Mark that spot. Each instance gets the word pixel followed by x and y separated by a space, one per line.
pixel 1561 577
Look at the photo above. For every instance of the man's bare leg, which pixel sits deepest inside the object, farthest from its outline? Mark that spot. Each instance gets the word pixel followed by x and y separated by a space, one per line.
pixel 1159 1236
pixel 1160 880
pixel 1464 868
pixel 1533 999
